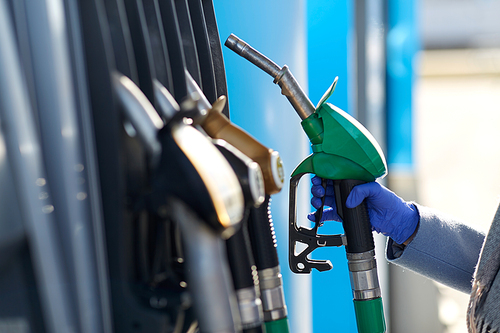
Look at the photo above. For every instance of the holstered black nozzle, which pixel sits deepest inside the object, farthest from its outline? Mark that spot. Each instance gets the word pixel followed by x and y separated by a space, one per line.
pixel 262 236
pixel 240 259
pixel 356 221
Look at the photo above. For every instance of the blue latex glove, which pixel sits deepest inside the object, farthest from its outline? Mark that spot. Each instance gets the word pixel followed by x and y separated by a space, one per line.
pixel 389 214
pixel 318 191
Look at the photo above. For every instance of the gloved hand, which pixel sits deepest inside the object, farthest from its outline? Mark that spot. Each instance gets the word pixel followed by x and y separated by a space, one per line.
pixel 318 192
pixel 389 214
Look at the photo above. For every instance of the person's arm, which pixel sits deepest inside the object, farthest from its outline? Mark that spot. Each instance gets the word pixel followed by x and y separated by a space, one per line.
pixel 420 239
pixel 442 248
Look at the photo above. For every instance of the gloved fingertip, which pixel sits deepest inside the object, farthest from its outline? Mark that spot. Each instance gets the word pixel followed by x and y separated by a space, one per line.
pixel 317 191
pixel 316 202
pixel 311 217
pixel 354 199
pixel 360 192
pixel 316 180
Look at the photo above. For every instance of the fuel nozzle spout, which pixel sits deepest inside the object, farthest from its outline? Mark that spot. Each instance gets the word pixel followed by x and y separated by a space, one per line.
pixel 282 75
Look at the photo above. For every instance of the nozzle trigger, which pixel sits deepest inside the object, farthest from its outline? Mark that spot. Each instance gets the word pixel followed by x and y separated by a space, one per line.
pixel 319 213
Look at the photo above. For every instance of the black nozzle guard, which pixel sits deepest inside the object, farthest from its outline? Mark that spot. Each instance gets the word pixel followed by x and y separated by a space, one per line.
pixel 299 262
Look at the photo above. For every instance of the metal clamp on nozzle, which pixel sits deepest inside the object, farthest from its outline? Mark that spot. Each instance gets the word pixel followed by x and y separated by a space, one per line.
pixel 363 274
pixel 250 306
pixel 272 294
pixel 282 75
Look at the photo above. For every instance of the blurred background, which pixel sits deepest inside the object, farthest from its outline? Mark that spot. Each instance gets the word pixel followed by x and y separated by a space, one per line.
pixel 456 113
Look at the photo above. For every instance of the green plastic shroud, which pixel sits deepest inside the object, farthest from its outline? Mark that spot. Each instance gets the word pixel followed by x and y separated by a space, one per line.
pixel 277 326
pixel 370 316
pixel 342 147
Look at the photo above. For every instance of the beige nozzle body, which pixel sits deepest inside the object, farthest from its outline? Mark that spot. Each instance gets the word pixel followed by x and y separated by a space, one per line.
pixel 218 126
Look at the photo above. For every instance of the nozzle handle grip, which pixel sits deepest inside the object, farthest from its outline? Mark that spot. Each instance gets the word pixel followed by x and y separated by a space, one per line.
pixel 356 221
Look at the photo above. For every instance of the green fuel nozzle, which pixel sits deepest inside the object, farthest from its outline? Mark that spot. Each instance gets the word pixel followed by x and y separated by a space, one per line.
pixel 345 152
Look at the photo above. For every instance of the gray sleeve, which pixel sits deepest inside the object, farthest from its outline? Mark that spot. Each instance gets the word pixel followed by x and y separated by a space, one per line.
pixel 443 249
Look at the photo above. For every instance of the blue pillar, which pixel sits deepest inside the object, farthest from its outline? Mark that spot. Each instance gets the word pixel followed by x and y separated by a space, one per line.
pixel 277 28
pixel 330 54
pixel 402 46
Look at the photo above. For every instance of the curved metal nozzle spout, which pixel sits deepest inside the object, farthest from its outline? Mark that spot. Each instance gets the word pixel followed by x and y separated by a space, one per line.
pixel 243 49
pixel 282 75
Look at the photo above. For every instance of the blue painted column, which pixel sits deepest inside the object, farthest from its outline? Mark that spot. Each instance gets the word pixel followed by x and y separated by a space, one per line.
pixel 330 54
pixel 402 46
pixel 278 29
